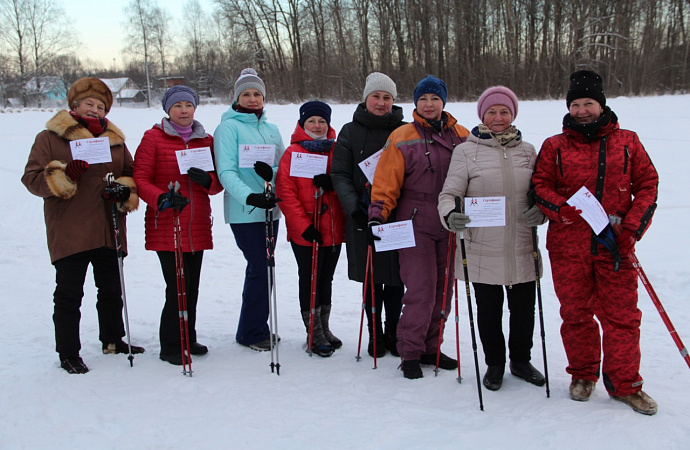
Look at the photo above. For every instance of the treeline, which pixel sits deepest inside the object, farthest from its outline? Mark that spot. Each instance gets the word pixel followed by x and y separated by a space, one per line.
pixel 306 49
pixel 325 48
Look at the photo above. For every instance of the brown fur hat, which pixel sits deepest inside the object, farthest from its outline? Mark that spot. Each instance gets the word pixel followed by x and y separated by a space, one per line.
pixel 89 87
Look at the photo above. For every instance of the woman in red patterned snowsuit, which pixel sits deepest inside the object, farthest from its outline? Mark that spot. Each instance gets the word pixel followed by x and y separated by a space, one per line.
pixel 611 162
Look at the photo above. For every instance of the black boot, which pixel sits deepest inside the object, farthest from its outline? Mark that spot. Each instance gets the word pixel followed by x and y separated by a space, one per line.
pixel 325 317
pixel 320 345
pixel 493 378
pixel 390 337
pixel 527 372
pixel 380 342
pixel 412 370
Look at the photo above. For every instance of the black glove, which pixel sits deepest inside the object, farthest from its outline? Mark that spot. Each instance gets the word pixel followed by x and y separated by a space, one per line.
pixel 371 237
pixel 199 177
pixel 311 234
pixel 116 193
pixel 263 170
pixel 263 201
pixel 172 199
pixel 607 238
pixel 360 218
pixel 323 181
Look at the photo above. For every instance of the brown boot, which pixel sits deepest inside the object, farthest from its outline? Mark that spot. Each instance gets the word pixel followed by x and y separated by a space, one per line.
pixel 639 402
pixel 581 390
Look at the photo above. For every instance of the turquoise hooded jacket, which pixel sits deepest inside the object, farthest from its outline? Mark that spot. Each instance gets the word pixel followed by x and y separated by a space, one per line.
pixel 237 129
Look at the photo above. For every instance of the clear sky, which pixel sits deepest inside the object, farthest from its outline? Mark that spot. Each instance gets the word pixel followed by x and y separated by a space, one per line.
pixel 101 29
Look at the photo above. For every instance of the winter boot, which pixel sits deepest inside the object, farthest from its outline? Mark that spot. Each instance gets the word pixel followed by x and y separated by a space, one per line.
pixel 640 402
pixel 581 390
pixel 320 344
pixel 411 369
pixel 527 372
pixel 390 337
pixel 325 316
pixel 73 365
pixel 380 342
pixel 493 378
pixel 120 347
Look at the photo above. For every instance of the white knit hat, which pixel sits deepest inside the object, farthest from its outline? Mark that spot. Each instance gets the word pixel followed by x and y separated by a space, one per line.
pixel 249 80
pixel 377 81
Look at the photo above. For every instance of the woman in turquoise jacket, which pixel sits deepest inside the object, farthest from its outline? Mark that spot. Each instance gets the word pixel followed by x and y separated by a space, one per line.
pixel 243 130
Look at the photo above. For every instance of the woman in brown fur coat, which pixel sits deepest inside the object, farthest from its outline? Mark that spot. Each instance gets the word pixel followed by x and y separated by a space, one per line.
pixel 78 215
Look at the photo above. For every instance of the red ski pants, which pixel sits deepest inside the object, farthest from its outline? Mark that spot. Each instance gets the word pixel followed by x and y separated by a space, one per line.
pixel 587 286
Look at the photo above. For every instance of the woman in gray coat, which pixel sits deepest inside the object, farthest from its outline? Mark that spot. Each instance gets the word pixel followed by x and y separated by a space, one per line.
pixel 496 162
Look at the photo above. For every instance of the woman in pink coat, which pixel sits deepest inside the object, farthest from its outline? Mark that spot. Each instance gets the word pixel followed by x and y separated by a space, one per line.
pixel 155 166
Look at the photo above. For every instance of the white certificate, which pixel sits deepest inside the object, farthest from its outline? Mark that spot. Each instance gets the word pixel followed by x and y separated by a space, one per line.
pixel 368 166
pixel 486 211
pixel 93 151
pixel 592 211
pixel 307 165
pixel 194 157
pixel 394 236
pixel 251 153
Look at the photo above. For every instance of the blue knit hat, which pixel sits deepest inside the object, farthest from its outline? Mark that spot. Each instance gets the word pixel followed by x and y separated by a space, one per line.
pixel 431 85
pixel 178 94
pixel 314 108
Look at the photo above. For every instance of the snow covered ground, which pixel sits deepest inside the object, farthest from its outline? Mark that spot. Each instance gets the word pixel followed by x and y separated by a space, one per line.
pixel 234 401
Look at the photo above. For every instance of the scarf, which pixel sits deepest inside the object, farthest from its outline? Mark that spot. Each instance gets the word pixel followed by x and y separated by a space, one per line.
pixel 503 137
pixel 320 146
pixel 591 129
pixel 242 109
pixel 184 132
pixel 94 125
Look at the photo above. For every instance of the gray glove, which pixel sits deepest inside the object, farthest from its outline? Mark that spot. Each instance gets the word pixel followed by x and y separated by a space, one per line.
pixel 456 221
pixel 534 216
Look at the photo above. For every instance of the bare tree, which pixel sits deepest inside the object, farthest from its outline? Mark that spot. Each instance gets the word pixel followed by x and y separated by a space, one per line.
pixel 160 40
pixel 140 35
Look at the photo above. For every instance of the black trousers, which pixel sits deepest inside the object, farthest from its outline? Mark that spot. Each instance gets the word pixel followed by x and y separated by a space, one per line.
pixel 327 261
pixel 521 299
pixel 169 330
pixel 388 297
pixel 70 273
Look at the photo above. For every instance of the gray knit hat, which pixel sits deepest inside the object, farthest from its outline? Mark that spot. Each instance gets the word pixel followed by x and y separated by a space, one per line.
pixel 377 81
pixel 249 80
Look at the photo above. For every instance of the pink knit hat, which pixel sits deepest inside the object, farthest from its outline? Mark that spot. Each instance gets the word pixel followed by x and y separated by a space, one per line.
pixel 497 95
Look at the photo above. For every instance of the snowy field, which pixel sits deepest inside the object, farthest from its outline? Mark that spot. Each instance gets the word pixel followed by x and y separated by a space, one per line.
pixel 234 401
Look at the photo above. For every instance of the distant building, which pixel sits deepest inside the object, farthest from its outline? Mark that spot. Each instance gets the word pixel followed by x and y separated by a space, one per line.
pixel 49 89
pixel 124 90
pixel 168 82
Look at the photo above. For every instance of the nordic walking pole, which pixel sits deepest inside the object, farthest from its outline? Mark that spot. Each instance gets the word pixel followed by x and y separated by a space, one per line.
pixel 535 253
pixel 457 331
pixel 364 302
pixel 272 294
pixel 314 269
pixel 664 316
pixel 110 181
pixel 370 269
pixel 442 321
pixel 458 207
pixel 181 284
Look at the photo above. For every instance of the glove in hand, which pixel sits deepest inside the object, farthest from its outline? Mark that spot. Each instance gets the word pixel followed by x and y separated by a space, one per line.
pixel 264 171
pixel 116 193
pixel 457 221
pixel 371 237
pixel 262 201
pixel 76 168
pixel 323 181
pixel 534 216
pixel 173 200
pixel 311 234
pixel 568 214
pixel 199 176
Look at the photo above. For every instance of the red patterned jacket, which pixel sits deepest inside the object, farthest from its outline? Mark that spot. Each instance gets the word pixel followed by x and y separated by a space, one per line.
pixel 614 166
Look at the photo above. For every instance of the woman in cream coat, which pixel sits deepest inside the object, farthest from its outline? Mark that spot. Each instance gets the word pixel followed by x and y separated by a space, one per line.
pixel 495 161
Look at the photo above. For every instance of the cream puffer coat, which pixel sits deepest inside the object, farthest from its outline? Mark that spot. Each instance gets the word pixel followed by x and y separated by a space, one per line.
pixel 481 167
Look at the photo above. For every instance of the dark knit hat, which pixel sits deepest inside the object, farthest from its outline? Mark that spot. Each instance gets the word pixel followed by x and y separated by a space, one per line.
pixel 249 79
pixel 497 95
pixel 431 85
pixel 586 84
pixel 314 108
pixel 178 94
pixel 89 87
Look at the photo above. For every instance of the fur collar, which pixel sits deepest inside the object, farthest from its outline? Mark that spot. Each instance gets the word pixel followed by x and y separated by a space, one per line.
pixel 66 127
